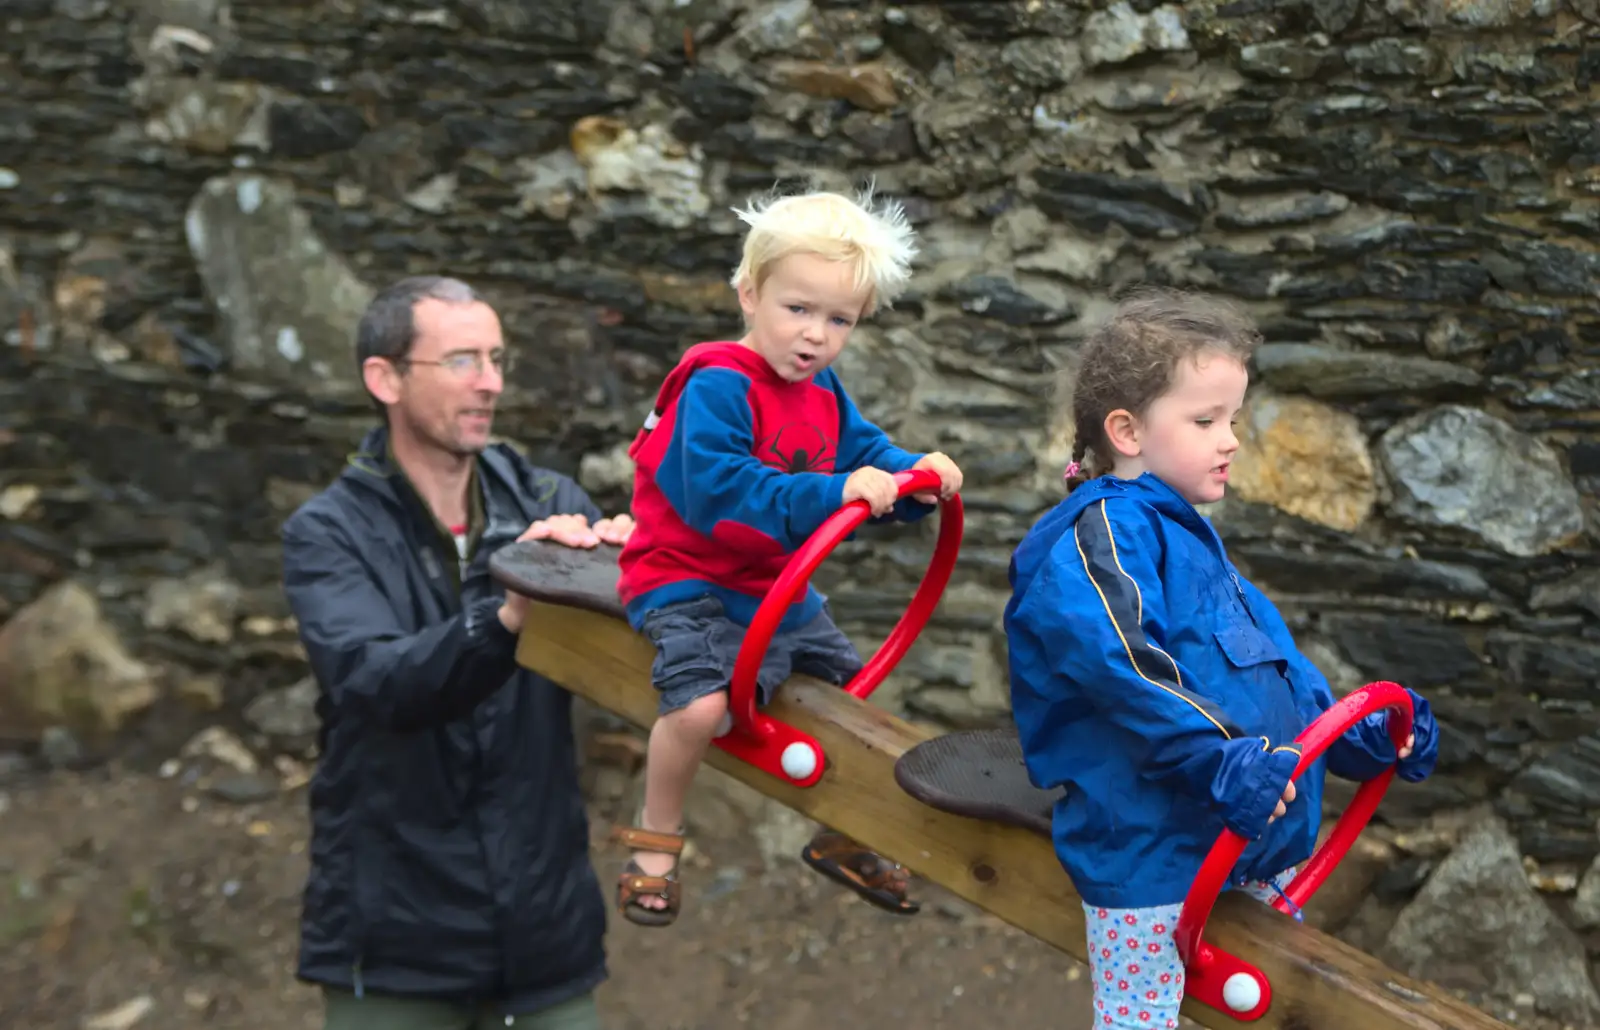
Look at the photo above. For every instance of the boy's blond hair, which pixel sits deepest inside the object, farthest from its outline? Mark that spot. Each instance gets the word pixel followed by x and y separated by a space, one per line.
pixel 874 236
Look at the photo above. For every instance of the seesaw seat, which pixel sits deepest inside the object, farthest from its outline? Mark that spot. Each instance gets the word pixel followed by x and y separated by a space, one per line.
pixel 978 774
pixel 566 576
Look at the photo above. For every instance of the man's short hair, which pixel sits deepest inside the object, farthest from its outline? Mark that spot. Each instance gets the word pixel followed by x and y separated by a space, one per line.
pixel 388 327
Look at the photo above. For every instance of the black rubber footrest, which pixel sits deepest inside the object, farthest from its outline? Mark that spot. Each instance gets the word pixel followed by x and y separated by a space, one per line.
pixel 978 774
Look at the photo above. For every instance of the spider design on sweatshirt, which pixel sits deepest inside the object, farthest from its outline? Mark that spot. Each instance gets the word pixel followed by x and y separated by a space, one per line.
pixel 797 447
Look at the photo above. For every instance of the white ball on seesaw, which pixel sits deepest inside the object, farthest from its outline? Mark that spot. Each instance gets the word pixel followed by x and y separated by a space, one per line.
pixel 725 725
pixel 799 760
pixel 1241 993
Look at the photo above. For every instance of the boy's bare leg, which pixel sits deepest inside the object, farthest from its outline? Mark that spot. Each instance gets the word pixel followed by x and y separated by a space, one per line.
pixel 678 743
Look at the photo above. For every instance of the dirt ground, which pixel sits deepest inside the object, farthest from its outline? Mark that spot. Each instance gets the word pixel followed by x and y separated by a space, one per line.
pixel 130 900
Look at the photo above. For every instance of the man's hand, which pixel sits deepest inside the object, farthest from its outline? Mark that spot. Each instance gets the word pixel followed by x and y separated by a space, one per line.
pixel 1405 752
pixel 575 531
pixel 949 477
pixel 512 611
pixel 571 531
pixel 875 486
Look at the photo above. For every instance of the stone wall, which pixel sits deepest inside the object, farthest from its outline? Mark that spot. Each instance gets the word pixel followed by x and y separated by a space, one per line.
pixel 196 198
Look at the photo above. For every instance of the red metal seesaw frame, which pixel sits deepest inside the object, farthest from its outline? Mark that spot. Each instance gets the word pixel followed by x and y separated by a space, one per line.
pixel 1208 968
pixel 763 741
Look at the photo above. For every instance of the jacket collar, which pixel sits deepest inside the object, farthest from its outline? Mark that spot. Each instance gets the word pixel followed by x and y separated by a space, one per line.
pixel 372 467
pixel 1149 489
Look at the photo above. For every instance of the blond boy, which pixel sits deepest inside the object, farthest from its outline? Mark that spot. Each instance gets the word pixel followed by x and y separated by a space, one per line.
pixel 751 446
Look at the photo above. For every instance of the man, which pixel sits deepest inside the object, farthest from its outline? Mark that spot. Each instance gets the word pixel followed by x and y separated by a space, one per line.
pixel 450 884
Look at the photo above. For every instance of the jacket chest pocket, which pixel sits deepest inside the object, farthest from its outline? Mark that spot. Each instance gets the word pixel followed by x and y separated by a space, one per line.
pixel 1261 670
pixel 1246 647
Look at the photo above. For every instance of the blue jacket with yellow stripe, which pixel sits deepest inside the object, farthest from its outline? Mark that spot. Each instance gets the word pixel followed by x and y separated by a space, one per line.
pixel 1164 692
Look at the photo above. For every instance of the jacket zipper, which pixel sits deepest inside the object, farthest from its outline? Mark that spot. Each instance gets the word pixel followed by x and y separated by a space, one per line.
pixel 1238 588
pixel 465 565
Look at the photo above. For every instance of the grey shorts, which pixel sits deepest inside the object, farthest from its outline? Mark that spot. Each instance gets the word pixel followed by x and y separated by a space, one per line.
pixel 697 645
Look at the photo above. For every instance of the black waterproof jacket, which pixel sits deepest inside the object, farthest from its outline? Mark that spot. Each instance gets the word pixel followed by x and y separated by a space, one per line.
pixel 449 853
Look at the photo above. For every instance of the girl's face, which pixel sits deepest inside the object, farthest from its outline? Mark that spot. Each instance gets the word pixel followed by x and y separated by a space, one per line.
pixel 1186 437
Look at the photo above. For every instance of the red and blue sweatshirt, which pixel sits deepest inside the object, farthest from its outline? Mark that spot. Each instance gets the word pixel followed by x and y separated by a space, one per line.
pixel 734 469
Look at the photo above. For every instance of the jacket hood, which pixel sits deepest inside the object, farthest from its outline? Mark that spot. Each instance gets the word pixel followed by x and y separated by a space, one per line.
pixel 370 471
pixel 1148 488
pixel 370 466
pixel 721 353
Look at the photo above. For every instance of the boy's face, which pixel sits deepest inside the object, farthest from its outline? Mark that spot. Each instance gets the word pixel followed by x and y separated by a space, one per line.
pixel 801 317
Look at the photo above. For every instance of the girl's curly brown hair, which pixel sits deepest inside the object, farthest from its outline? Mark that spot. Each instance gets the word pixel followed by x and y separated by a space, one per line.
pixel 1133 358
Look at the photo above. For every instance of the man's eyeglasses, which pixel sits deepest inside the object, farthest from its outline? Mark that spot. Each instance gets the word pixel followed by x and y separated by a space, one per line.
pixel 466 363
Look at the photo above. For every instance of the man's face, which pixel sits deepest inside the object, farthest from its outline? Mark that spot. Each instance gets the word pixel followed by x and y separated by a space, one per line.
pixel 446 388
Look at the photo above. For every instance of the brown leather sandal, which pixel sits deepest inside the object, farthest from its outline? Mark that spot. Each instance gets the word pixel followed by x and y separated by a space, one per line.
pixel 635 883
pixel 875 878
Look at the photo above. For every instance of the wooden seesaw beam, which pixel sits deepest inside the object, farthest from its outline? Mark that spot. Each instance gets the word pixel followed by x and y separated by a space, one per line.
pixel 576 636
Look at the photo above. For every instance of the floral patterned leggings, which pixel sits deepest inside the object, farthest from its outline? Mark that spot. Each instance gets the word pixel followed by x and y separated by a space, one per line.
pixel 1133 960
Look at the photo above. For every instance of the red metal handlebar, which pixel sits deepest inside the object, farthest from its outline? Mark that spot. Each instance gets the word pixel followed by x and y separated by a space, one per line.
pixel 759 730
pixel 1209 967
